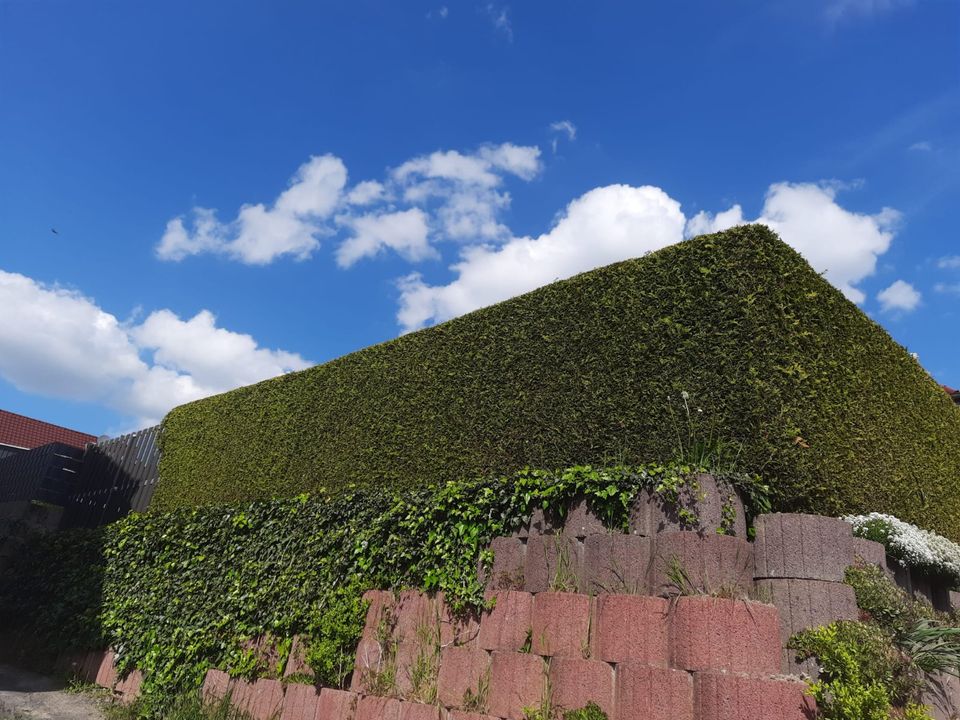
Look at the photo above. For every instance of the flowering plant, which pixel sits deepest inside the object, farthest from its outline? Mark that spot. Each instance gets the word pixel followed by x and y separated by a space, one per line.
pixel 909 545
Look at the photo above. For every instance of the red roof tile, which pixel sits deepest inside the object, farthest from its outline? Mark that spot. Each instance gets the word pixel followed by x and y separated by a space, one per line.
pixel 950 390
pixel 21 431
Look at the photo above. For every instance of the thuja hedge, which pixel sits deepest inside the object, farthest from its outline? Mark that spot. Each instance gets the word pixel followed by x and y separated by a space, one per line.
pixel 813 394
pixel 176 593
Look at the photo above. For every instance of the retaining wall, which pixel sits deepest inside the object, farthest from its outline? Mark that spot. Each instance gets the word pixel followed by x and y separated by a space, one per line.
pixel 661 622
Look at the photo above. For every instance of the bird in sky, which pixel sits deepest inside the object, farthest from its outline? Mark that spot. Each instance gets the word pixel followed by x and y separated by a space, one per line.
pixel 54 231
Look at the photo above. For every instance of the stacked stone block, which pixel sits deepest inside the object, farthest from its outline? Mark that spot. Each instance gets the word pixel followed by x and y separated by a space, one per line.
pixel 800 562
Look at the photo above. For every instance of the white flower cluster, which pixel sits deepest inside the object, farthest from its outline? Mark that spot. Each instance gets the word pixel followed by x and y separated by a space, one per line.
pixel 909 545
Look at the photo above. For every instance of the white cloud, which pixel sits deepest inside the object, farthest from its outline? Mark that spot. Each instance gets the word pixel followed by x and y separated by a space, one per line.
pixel 259 235
pixel 450 195
pixel 619 221
pixel 365 193
pixel 704 223
pixel 951 288
pixel 59 343
pixel 837 10
pixel 844 245
pixel 500 17
pixel 604 225
pixel 900 296
pixel 404 232
pixel 949 262
pixel 564 127
pixel 922 146
pixel 463 189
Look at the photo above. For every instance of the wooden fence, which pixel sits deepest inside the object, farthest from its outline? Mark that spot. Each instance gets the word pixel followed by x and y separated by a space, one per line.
pixel 118 476
pixel 46 474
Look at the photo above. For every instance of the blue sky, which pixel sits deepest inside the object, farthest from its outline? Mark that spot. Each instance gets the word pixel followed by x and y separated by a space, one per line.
pixel 241 189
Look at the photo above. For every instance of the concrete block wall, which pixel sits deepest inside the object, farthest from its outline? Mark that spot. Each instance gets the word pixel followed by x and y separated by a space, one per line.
pixel 636 656
pixel 651 623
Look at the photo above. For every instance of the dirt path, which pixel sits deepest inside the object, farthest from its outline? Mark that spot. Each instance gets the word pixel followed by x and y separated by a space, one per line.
pixel 35 697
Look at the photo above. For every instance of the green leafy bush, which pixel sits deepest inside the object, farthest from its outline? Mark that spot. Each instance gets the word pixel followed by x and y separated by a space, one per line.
pixel 882 601
pixel 176 593
pixel 863 676
pixel 814 395
pixel 591 711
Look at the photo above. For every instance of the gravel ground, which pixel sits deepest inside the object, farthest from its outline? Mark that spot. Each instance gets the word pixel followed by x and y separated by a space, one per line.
pixel 28 696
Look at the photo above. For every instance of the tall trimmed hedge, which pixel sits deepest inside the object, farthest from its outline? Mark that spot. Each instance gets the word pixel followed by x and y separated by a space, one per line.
pixel 813 395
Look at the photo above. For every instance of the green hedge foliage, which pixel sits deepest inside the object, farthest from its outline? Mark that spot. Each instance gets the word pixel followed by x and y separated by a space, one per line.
pixel 179 592
pixel 813 395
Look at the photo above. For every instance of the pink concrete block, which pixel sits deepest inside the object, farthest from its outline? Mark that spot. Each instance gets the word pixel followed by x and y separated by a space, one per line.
pixel 91 665
pixel 457 628
pixel 553 562
pixel 129 686
pixel 509 559
pixel 266 699
pixel 704 496
pixel 718 634
pixel 378 600
pixel 300 702
pixel 581 521
pixel 574 682
pixel 463 674
pixel 418 711
pixel 942 696
pixel 415 616
pixel 631 627
pixel 870 552
pixel 805 604
pixel 369 661
pixel 336 705
pixel 516 681
pixel 297 661
pixel 372 707
pixel 106 673
pixel 808 547
pixel 416 666
pixel 509 624
pixel 241 694
pixel 464 715
pixel 616 563
pixel 723 696
pixel 216 683
pixel 648 693
pixel 709 564
pixel 561 624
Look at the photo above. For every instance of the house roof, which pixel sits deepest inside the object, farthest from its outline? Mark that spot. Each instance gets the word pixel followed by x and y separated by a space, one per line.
pixel 21 431
pixel 950 390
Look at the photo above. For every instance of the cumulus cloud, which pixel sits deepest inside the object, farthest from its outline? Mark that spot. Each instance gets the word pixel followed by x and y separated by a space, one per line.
pixel 948 263
pixel 900 296
pixel 604 225
pixel 60 343
pixel 405 232
pixel 260 234
pixel 448 194
pixel 619 222
pixel 842 244
pixel 922 146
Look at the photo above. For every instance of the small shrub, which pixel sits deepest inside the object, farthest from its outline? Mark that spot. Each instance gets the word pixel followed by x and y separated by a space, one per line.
pixel 863 676
pixel 591 711
pixel 882 601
